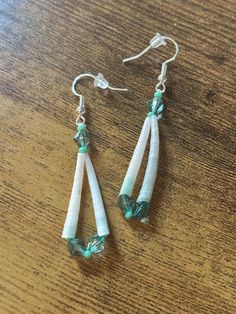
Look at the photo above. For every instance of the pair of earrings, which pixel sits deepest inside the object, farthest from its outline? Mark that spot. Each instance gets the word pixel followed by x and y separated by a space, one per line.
pixel 138 209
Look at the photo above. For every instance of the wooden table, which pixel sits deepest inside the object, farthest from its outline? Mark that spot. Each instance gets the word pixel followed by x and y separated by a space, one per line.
pixel 183 261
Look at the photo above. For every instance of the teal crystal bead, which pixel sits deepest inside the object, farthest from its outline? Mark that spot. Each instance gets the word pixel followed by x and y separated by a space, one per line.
pixel 142 211
pixel 133 209
pixel 156 105
pixel 82 137
pixel 86 247
pixel 127 205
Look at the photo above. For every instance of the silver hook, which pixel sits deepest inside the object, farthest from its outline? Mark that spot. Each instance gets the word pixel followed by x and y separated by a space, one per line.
pixel 156 42
pixel 99 81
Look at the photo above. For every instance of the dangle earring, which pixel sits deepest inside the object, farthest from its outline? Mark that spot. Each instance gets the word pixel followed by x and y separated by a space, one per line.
pixel 139 209
pixel 94 244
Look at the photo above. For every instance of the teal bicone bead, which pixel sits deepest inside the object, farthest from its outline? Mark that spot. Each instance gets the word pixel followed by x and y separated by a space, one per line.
pixel 133 209
pixel 127 205
pixel 141 211
pixel 82 137
pixel 86 247
pixel 81 126
pixel 155 105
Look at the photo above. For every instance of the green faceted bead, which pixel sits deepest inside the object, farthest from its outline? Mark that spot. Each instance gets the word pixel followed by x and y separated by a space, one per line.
pixel 127 205
pixel 81 126
pixel 86 247
pixel 155 106
pixel 141 211
pixel 74 247
pixel 82 137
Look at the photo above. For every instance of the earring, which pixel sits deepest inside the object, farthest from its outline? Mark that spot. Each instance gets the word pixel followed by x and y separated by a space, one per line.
pixel 94 244
pixel 139 209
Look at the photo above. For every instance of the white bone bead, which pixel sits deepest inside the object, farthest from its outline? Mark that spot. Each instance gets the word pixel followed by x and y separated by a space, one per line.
pixel 151 169
pixel 132 172
pixel 70 226
pixel 99 211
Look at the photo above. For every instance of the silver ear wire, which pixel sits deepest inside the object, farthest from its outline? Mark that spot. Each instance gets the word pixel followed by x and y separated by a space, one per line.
pixel 99 81
pixel 156 42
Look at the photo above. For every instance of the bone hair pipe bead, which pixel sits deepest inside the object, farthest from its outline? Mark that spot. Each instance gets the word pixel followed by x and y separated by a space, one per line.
pixel 152 165
pixel 132 172
pixel 70 226
pixel 99 210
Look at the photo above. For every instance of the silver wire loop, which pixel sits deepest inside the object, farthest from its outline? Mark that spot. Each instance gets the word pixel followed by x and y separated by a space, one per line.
pixel 156 42
pixel 99 81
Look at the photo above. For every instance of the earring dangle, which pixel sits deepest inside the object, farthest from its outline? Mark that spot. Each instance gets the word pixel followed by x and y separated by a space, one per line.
pixel 95 244
pixel 139 209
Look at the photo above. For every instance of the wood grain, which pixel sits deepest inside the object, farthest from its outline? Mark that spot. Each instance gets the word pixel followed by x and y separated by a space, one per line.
pixel 184 261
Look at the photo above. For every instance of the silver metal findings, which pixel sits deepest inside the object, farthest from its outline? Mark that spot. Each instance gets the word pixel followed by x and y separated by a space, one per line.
pixel 157 41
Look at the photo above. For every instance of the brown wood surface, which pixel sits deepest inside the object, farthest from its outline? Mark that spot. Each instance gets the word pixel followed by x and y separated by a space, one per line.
pixel 184 261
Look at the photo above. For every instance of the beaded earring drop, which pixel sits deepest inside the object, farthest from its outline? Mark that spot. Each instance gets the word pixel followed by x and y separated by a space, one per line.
pixel 95 244
pixel 139 208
